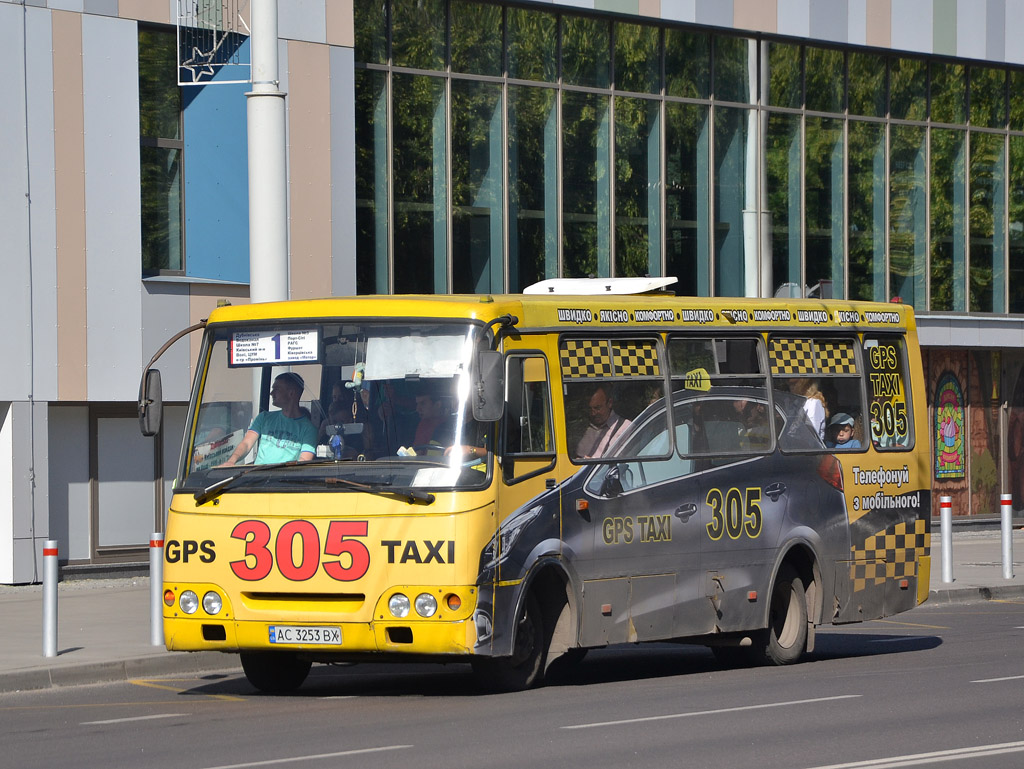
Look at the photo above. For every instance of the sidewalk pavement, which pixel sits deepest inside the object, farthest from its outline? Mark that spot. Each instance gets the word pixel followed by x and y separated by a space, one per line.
pixel 103 625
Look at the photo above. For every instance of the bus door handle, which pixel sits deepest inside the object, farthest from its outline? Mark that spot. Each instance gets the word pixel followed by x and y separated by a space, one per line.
pixel 684 512
pixel 775 490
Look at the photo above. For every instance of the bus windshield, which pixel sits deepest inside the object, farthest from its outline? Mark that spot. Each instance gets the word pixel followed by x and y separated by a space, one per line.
pixel 379 404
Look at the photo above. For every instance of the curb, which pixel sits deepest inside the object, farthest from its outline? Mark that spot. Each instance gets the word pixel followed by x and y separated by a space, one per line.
pixel 963 595
pixel 116 670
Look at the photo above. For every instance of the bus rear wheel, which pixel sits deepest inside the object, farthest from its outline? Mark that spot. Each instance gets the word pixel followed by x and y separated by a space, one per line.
pixel 275 672
pixel 524 669
pixel 785 640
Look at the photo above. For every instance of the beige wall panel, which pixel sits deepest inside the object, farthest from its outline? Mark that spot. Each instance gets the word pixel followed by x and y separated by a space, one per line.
pixel 309 169
pixel 69 159
pixel 202 299
pixel 758 15
pixel 155 11
pixel 341 28
pixel 879 24
pixel 650 8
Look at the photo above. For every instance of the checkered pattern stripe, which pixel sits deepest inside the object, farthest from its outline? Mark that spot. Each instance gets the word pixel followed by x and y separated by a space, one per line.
pixel 889 554
pixel 836 357
pixel 791 356
pixel 585 358
pixel 636 359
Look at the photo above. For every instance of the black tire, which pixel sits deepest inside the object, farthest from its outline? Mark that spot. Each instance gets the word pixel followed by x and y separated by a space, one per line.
pixel 785 640
pixel 524 669
pixel 275 672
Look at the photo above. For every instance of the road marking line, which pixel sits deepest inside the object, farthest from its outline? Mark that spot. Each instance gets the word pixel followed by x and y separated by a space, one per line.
pixel 134 718
pixel 994 680
pixel 314 757
pixel 178 690
pixel 938 756
pixel 911 624
pixel 900 638
pixel 711 712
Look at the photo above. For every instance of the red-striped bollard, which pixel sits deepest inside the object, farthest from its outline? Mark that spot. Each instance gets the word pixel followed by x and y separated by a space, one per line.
pixel 1006 521
pixel 50 553
pixel 156 589
pixel 946 528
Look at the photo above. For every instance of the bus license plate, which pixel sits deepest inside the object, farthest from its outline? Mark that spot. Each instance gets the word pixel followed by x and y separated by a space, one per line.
pixel 293 634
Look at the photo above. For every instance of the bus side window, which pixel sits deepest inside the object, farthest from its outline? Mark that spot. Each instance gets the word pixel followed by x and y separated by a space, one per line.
pixel 889 420
pixel 528 440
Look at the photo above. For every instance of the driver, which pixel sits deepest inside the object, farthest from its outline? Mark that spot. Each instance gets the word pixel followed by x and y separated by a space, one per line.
pixel 283 436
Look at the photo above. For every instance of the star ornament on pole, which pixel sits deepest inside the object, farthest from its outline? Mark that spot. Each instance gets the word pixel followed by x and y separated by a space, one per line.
pixel 200 65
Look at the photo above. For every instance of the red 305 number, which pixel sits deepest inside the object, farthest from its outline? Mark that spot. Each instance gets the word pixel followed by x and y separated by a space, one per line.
pixel 299 561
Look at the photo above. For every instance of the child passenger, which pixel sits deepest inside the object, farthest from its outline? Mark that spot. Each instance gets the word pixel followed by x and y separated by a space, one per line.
pixel 840 432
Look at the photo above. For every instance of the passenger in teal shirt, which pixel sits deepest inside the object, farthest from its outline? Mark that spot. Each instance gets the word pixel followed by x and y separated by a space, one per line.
pixel 283 436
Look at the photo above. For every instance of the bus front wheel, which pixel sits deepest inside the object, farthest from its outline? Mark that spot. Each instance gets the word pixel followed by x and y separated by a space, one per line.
pixel 523 670
pixel 275 672
pixel 785 639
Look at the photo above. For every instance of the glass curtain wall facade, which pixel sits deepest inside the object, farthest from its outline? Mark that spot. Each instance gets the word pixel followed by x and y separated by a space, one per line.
pixel 499 145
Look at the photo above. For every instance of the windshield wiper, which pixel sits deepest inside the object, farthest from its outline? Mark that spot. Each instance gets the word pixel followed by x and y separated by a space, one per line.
pixel 410 495
pixel 216 489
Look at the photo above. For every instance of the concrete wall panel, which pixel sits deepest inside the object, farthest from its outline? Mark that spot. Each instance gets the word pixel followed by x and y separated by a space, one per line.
pixel 970 30
pixel 343 170
pixel 309 160
pixel 43 205
pixel 829 20
pixel 113 228
pixel 340 24
pixel 69 157
pixel 912 25
pixel 165 312
pixel 794 17
pixel 68 431
pixel 1014 41
pixel 15 349
pixel 679 10
pixel 304 20
pixel 757 15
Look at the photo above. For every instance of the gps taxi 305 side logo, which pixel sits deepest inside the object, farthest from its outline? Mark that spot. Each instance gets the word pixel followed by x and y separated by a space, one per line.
pixel 646 528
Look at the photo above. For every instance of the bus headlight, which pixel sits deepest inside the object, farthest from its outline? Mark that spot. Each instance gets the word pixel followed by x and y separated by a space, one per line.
pixel 504 540
pixel 399 605
pixel 212 603
pixel 188 602
pixel 426 605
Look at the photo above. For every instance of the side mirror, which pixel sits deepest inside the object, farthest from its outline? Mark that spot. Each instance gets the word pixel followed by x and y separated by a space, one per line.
pixel 612 486
pixel 151 403
pixel 489 386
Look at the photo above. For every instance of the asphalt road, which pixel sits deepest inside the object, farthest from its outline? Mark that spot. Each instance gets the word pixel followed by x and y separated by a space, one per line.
pixel 942 685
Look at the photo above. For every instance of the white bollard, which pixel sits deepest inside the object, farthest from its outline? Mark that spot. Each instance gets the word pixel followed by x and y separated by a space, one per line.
pixel 1006 520
pixel 946 528
pixel 50 553
pixel 156 589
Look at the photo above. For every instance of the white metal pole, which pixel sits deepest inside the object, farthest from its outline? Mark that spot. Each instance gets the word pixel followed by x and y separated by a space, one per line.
pixel 946 526
pixel 1006 521
pixel 268 181
pixel 50 553
pixel 156 589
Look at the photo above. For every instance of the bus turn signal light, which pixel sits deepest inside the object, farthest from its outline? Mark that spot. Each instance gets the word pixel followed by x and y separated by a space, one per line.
pixel 169 597
pixel 453 601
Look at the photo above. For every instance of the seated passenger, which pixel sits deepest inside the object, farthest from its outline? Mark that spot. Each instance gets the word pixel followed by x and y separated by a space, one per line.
pixel 283 436
pixel 840 432
pixel 605 425
pixel 435 424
